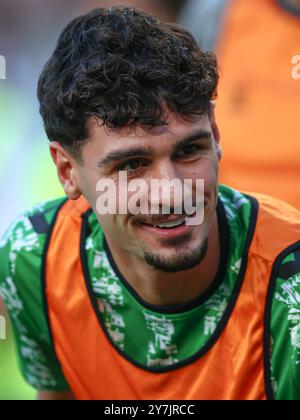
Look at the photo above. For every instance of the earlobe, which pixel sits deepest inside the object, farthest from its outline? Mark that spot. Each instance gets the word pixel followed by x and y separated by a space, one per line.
pixel 219 151
pixel 66 170
pixel 71 191
pixel 71 187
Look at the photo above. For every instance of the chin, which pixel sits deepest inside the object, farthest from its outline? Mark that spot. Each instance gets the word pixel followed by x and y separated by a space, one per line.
pixel 181 259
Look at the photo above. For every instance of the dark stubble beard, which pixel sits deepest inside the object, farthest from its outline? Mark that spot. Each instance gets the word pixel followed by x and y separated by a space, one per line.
pixel 183 260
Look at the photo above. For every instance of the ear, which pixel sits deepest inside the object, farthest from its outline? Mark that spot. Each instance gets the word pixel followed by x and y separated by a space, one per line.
pixel 66 167
pixel 215 130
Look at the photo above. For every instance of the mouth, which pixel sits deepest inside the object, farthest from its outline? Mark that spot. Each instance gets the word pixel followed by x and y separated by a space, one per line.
pixel 168 224
pixel 168 228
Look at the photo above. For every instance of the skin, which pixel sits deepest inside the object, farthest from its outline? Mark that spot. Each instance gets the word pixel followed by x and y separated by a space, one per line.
pixel 129 242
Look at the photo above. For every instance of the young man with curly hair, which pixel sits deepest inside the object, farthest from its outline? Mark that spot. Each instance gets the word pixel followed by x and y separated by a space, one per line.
pixel 132 306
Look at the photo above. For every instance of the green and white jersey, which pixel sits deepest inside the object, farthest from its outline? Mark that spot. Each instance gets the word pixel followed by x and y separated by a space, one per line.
pixel 151 336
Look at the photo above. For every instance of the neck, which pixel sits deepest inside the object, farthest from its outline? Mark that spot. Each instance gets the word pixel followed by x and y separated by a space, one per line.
pixel 159 288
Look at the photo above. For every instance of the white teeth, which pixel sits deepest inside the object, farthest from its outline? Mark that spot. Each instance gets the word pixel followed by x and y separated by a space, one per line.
pixel 171 224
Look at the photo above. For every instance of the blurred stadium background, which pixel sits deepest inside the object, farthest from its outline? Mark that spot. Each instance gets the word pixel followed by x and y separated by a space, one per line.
pixel 28 32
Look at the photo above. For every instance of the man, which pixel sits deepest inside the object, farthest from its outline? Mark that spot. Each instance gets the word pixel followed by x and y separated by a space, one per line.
pixel 148 306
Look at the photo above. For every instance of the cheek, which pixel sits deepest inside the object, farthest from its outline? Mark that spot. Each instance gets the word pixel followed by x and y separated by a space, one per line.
pixel 206 170
pixel 89 181
pixel 111 225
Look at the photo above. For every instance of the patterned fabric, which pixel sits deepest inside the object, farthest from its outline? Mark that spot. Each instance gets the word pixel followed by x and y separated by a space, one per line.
pixel 163 338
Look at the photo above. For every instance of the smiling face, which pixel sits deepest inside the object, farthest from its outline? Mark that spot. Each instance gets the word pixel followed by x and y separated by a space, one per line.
pixel 180 150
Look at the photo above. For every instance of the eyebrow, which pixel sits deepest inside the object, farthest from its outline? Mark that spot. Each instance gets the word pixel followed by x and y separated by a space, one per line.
pixel 121 154
pixel 198 135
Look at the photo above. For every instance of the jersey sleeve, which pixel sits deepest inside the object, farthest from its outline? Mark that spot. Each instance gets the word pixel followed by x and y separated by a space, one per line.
pixel 285 329
pixel 20 287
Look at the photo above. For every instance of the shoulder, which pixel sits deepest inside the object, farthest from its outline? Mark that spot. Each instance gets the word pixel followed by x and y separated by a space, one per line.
pixel 277 229
pixel 21 250
pixel 285 327
pixel 27 231
pixel 275 209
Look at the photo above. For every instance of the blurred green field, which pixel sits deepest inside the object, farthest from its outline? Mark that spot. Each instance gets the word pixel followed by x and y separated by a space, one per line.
pixel 39 182
pixel 12 385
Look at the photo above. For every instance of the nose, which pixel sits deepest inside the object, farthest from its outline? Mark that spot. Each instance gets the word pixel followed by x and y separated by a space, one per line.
pixel 166 189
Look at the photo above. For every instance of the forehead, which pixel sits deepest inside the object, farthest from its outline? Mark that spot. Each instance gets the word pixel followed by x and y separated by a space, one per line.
pixel 158 138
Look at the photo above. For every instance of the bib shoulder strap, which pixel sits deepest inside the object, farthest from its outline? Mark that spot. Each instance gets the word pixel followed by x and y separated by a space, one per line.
pixel 277 227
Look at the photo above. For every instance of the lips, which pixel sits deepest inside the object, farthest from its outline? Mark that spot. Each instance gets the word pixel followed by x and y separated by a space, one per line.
pixel 167 232
pixel 166 227
pixel 168 224
pixel 157 220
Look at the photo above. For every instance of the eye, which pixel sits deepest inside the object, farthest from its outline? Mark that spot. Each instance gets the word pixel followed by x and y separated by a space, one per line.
pixel 132 166
pixel 189 151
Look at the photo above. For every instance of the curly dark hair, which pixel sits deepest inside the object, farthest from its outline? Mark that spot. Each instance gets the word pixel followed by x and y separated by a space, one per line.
pixel 126 68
